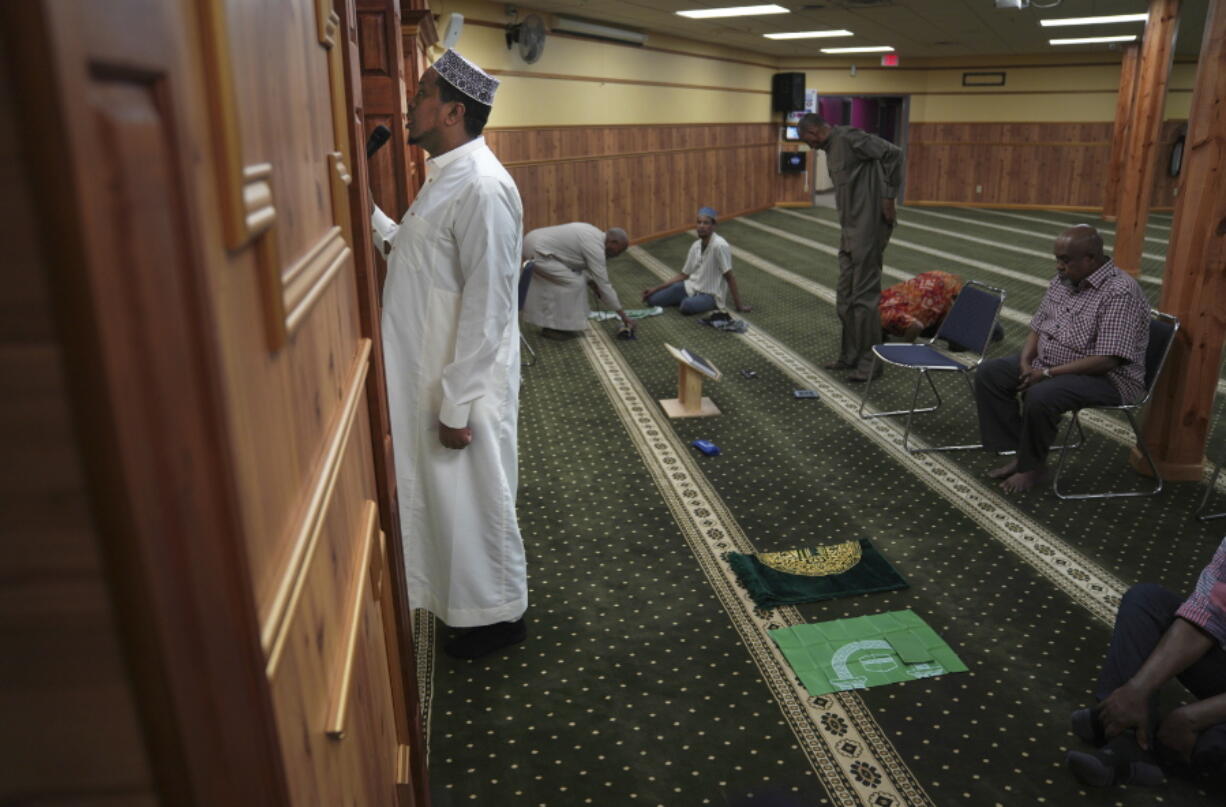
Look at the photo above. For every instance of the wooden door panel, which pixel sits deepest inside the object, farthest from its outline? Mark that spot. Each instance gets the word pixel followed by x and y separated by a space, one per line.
pixel 385 101
pixel 302 431
pixel 328 666
pixel 195 169
pixel 291 273
pixel 281 89
pixel 283 409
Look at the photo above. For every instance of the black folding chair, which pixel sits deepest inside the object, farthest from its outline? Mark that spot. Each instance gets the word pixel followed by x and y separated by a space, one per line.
pixel 525 280
pixel 969 325
pixel 1162 330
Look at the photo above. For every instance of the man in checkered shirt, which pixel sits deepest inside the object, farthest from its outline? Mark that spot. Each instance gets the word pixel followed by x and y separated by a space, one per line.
pixel 1086 347
pixel 1159 636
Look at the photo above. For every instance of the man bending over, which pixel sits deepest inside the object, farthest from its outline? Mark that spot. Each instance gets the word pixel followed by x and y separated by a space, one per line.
pixel 565 259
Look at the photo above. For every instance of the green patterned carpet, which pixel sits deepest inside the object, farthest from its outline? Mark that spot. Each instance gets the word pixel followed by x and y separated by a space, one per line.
pixel 648 678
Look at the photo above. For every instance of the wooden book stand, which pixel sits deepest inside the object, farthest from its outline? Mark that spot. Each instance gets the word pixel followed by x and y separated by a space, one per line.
pixel 689 402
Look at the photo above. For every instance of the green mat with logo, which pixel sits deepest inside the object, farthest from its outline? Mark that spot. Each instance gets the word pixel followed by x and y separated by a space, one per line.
pixel 865 651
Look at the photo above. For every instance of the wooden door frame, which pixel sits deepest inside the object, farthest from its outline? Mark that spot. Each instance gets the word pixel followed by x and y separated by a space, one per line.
pixel 370 311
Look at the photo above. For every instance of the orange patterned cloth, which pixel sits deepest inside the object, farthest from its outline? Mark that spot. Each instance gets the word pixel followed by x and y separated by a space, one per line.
pixel 923 300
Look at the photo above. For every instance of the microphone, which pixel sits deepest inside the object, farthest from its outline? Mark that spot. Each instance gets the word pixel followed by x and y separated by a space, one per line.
pixel 376 140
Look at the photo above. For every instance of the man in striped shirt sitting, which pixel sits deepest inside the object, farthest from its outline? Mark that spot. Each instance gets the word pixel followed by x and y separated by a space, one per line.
pixel 1159 636
pixel 1086 347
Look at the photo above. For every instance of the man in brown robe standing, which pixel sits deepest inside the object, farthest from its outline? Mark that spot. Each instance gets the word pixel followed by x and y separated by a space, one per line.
pixel 866 171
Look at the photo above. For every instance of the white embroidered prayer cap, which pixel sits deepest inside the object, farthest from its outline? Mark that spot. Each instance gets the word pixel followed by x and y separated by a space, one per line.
pixel 466 77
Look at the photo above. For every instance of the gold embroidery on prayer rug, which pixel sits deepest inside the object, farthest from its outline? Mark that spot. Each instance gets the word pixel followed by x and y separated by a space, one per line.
pixel 818 561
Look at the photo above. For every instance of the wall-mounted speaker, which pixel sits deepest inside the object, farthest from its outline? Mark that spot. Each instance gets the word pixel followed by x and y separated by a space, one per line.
pixel 788 92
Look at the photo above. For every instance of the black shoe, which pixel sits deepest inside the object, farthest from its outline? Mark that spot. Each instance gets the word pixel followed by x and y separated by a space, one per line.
pixel 1087 727
pixel 473 643
pixel 1119 762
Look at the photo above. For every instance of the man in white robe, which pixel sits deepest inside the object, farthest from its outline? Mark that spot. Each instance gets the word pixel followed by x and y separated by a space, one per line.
pixel 451 346
pixel 564 260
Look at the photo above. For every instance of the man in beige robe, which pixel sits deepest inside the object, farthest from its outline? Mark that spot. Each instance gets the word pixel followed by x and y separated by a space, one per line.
pixel 565 260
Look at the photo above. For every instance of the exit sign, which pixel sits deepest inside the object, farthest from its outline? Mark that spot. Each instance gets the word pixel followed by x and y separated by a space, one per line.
pixel 889 60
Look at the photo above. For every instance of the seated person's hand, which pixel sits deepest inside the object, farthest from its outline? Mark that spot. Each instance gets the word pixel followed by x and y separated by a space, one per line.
pixel 1178 733
pixel 744 309
pixel 1029 378
pixel 647 293
pixel 1126 708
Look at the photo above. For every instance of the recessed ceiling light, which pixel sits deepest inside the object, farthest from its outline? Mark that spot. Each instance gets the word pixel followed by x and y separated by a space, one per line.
pixel 1093 40
pixel 873 49
pixel 1094 20
pixel 733 11
pixel 808 34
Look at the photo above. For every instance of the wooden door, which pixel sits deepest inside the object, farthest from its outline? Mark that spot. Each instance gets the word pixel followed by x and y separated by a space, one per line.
pixel 198 158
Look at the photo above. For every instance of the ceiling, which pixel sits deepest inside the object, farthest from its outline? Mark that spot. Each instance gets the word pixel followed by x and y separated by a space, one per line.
pixel 915 28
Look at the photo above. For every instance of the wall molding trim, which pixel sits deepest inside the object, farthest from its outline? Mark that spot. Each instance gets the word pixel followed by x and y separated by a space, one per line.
pixel 629 81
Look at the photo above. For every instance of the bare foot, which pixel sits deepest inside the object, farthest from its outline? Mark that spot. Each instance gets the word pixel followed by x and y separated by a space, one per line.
pixel 1023 480
pixel 838 364
pixel 1006 470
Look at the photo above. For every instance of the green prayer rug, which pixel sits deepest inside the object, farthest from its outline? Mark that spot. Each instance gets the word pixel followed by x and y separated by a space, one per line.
pixel 865 651
pixel 811 575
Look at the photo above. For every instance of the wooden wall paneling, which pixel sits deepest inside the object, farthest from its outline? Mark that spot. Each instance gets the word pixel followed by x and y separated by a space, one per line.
pixel 219 451
pixel 305 455
pixel 149 413
pixel 335 711
pixel 70 696
pixel 985 173
pixel 650 179
pixel 245 191
pixel 1039 164
pixel 246 151
pixel 365 264
pixel 595 208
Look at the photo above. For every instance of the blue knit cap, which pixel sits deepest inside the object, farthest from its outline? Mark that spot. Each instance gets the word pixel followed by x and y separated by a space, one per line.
pixel 708 212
